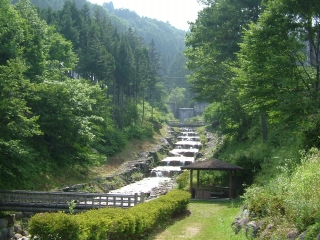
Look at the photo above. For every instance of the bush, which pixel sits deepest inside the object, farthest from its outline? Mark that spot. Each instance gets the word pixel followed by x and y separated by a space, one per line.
pixel 303 197
pixel 140 131
pixel 110 223
pixel 262 203
pixel 292 196
pixel 53 226
pixel 183 180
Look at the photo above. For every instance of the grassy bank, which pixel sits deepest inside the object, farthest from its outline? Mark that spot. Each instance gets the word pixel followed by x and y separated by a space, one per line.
pixel 83 174
pixel 204 220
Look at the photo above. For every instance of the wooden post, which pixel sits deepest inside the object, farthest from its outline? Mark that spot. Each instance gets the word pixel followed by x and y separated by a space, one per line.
pixel 191 176
pixel 135 199
pixel 114 201
pixel 230 185
pixel 198 177
pixel 235 184
pixel 141 197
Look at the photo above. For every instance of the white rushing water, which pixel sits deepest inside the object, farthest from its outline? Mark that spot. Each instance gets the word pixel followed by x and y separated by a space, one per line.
pixel 183 154
pixel 145 185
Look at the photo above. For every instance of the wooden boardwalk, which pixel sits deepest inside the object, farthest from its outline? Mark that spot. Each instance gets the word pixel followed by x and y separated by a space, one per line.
pixel 31 201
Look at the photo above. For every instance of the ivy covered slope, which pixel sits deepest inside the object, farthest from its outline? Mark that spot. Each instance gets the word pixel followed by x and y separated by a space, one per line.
pixel 54 119
pixel 257 64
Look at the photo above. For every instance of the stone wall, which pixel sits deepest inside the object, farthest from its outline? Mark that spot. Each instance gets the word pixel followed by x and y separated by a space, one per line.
pixel 125 175
pixel 12 226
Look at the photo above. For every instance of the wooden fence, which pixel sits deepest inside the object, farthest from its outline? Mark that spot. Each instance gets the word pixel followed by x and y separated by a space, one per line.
pixel 17 200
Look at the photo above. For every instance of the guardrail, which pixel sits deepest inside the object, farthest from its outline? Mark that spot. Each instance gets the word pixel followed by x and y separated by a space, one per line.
pixel 186 124
pixel 17 200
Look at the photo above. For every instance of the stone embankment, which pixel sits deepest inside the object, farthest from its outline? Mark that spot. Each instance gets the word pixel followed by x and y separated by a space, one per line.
pixel 128 172
pixel 257 229
pixel 12 226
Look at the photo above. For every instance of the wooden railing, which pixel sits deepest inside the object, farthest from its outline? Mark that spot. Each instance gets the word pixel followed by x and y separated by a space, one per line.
pixel 186 124
pixel 17 200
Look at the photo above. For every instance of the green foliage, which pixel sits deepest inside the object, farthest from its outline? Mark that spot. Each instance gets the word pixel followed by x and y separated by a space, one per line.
pixel 302 202
pixel 72 204
pixel 292 195
pixel 111 223
pixel 141 131
pixel 263 85
pixel 212 43
pixel 111 141
pixel 179 97
pixel 313 230
pixel 53 226
pixel 183 181
pixel 263 203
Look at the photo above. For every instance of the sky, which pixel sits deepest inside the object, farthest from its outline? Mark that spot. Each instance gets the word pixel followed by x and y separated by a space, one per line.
pixel 177 12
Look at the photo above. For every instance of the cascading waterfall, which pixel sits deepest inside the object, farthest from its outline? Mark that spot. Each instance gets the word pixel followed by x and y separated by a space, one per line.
pixel 184 153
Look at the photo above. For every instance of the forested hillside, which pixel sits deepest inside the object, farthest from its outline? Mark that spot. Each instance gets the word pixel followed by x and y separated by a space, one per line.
pixel 257 63
pixel 73 91
pixel 168 41
pixel 170 44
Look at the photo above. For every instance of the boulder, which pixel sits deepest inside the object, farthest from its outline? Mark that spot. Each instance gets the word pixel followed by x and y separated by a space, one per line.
pixel 10 232
pixel 4 233
pixel 17 236
pixel 17 228
pixel 3 223
pixel 293 234
pixel 252 229
pixel 266 232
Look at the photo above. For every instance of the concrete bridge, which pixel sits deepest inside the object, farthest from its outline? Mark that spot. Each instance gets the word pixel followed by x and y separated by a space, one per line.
pixel 32 201
pixel 186 124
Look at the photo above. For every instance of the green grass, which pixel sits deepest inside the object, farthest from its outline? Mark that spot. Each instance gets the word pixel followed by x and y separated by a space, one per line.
pixel 210 220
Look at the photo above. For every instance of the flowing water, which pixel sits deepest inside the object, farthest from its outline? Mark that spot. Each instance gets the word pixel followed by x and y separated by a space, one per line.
pixel 185 152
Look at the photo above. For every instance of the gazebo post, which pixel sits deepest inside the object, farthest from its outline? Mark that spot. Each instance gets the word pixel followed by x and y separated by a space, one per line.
pixel 235 183
pixel 230 185
pixel 198 177
pixel 191 176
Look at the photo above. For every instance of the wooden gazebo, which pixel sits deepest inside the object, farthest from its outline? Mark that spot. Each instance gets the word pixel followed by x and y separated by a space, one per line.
pixel 215 165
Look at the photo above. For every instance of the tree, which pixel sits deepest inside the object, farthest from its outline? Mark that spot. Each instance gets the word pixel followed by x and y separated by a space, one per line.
pixel 61 58
pixel 70 22
pixel 279 63
pixel 11 32
pixel 212 45
pixel 34 47
pixel 178 96
pixel 18 126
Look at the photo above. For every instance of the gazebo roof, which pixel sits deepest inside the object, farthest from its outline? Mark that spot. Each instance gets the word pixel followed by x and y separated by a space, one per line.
pixel 212 164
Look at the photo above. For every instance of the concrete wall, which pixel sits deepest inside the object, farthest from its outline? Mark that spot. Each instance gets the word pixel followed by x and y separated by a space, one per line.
pixel 185 114
pixel 199 108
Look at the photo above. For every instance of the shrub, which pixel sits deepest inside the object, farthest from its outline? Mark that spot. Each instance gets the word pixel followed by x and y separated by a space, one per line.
pixel 53 226
pixel 304 190
pixel 110 223
pixel 313 230
pixel 292 196
pixel 183 180
pixel 140 131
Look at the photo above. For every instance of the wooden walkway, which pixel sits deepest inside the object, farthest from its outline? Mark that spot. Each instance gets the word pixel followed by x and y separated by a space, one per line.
pixel 31 201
